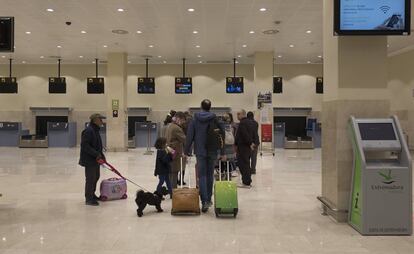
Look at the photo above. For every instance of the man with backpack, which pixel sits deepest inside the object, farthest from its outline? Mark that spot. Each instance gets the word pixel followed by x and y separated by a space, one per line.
pixel 207 134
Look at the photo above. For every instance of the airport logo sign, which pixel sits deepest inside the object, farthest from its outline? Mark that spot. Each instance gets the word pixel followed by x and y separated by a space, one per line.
pixel 387 177
pixel 388 183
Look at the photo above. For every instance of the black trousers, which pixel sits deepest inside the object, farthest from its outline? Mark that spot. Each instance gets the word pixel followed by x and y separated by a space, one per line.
pixel 92 174
pixel 254 160
pixel 243 156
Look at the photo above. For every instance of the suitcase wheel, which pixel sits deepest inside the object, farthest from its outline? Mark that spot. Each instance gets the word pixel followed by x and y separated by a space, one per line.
pixel 125 196
pixel 235 211
pixel 217 211
pixel 103 198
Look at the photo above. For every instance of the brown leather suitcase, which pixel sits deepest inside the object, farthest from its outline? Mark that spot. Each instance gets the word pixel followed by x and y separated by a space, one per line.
pixel 185 200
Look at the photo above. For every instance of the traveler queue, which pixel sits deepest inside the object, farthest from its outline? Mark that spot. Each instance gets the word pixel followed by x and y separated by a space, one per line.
pixel 212 139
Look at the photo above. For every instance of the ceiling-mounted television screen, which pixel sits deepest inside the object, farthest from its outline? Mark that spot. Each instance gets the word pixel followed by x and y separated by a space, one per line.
pixel 146 85
pixel 234 85
pixel 8 85
pixel 183 85
pixel 95 85
pixel 57 85
pixel 372 17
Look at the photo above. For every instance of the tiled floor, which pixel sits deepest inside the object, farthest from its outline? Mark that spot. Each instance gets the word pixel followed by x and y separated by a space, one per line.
pixel 42 211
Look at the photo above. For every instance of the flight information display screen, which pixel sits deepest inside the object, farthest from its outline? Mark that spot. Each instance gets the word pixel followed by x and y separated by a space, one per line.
pixel 234 85
pixel 146 85
pixel 377 131
pixel 183 85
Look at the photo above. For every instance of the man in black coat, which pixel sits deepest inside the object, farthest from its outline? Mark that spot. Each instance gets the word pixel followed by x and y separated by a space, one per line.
pixel 256 141
pixel 90 153
pixel 245 144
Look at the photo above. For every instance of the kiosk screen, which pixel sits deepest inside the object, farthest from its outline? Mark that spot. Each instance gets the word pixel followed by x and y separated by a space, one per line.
pixel 377 131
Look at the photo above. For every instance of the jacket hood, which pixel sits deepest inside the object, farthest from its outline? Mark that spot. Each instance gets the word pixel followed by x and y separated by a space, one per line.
pixel 204 116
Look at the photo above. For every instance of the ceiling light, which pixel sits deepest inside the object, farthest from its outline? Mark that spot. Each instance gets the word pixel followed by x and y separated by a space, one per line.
pixel 309 32
pixel 150 46
pixel 309 62
pixel 291 46
pixel 42 57
pixel 159 56
pixel 239 56
pixel 388 45
pixel 237 62
pixel 244 46
pixel 197 46
pixel 121 10
pixel 139 32
pixel 200 62
pixel 280 56
pixel 195 32
pixel 251 32
pixel 28 32
pixel 262 9
pixel 23 62
pixel 93 61
pixel 105 46
pixel 84 32
pixel 80 56
pixel 164 62
pixel 129 62
pixel 199 56
pixel 3 56
pixel 319 56
pixel 50 10
pixel 59 46
pixel 190 9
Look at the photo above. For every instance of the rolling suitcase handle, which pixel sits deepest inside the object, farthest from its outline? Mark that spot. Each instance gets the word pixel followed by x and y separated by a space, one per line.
pixel 181 173
pixel 228 170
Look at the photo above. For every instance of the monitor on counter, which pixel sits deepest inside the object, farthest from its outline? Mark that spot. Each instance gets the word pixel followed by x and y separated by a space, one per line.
pixel 372 17
pixel 377 131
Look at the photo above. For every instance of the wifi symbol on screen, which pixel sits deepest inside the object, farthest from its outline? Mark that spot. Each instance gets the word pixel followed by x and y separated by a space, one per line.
pixel 385 8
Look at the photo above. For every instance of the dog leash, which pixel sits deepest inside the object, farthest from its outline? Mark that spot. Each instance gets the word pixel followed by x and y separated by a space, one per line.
pixel 106 165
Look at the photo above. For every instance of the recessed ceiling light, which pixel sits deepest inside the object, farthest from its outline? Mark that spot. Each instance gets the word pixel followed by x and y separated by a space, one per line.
pixel 244 46
pixel 388 45
pixel 150 46
pixel 3 56
pixel 159 56
pixel 23 62
pixel 309 32
pixel 319 56
pixel 121 10
pixel 280 56
pixel 80 56
pixel 93 61
pixel 237 62
pixel 251 32
pixel 309 62
pixel 139 32
pixel 59 46
pixel 105 46
pixel 164 62
pixel 84 32
pixel 195 32
pixel 199 56
pixel 129 62
pixel 200 62
pixel 197 46
pixel 190 9
pixel 262 9
pixel 28 32
pixel 239 56
pixel 42 57
pixel 291 46
pixel 50 10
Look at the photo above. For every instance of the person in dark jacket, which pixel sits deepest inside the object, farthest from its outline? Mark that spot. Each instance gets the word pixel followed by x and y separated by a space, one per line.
pixel 162 164
pixel 245 145
pixel 197 133
pixel 91 151
pixel 256 141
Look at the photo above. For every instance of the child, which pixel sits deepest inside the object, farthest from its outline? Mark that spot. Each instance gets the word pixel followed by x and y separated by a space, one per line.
pixel 165 155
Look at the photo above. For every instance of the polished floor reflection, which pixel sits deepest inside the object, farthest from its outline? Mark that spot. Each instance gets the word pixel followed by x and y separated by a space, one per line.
pixel 42 211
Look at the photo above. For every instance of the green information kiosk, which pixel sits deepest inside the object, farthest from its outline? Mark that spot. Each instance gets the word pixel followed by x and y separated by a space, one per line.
pixel 381 191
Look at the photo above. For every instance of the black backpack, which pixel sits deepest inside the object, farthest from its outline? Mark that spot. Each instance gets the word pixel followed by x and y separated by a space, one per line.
pixel 214 140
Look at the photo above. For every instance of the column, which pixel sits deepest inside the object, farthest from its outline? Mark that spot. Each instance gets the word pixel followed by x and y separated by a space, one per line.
pixel 116 94
pixel 355 78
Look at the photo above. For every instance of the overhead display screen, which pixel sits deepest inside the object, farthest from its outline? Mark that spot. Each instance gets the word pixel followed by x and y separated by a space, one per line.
pixel 183 85
pixel 234 85
pixel 377 131
pixel 146 85
pixel 372 17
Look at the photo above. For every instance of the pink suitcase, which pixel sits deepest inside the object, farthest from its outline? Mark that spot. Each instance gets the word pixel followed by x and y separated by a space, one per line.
pixel 113 189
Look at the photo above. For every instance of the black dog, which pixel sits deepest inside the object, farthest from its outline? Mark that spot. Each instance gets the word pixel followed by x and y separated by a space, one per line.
pixel 147 198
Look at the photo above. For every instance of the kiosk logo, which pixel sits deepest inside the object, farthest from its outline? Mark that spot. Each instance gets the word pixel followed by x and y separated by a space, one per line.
pixel 387 178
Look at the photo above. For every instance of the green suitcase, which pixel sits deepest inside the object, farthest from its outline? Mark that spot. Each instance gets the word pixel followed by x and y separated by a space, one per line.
pixel 225 195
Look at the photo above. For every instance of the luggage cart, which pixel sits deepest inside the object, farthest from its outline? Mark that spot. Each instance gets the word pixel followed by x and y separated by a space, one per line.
pixel 267 138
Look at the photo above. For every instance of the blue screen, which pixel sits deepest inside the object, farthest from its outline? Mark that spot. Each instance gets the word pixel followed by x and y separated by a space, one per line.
pixel 377 15
pixel 183 88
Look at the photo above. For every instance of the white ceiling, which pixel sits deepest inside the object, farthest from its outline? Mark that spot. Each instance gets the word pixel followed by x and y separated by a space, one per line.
pixel 223 27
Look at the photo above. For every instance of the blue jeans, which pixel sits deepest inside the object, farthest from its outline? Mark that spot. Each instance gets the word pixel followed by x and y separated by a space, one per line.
pixel 206 176
pixel 164 179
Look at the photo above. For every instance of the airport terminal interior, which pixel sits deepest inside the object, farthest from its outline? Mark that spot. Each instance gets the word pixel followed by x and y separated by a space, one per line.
pixel 330 86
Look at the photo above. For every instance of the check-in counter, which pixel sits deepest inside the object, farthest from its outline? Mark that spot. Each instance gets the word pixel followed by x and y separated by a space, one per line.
pixel 279 133
pixel 10 133
pixel 145 134
pixel 61 134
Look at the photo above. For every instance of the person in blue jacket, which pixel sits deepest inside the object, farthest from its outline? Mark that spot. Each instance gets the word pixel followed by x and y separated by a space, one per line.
pixel 197 133
pixel 91 151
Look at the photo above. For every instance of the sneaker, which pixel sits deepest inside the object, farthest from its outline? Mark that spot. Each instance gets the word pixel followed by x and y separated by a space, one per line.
pixel 234 174
pixel 204 207
pixel 209 204
pixel 96 198
pixel 92 203
pixel 245 186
